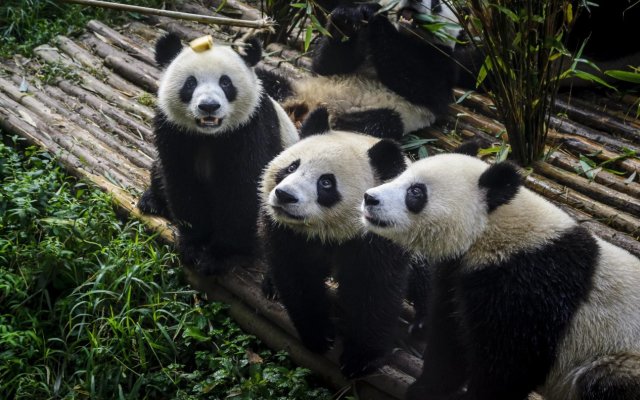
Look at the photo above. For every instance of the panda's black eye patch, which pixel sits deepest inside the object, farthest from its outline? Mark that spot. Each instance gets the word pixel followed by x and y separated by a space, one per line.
pixel 328 194
pixel 189 86
pixel 416 197
pixel 291 168
pixel 227 87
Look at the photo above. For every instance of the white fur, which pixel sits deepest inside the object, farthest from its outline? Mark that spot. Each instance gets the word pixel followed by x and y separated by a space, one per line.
pixel 288 131
pixel 207 67
pixel 350 93
pixel 343 154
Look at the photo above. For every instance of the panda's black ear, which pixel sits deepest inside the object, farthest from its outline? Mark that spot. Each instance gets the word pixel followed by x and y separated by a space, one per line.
pixel 167 48
pixel 387 159
pixel 316 123
pixel 502 182
pixel 251 52
pixel 469 148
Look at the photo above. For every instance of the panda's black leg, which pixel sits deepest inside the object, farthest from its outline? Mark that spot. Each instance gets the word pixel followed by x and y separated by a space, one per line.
pixel 344 51
pixel 444 372
pixel 417 293
pixel 153 200
pixel 372 274
pixel 275 85
pixel 378 122
pixel 614 376
pixel 299 269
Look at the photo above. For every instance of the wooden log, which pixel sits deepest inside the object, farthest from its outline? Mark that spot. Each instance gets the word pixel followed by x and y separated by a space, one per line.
pixel 188 33
pixel 603 116
pixel 52 55
pixel 12 113
pixel 584 146
pixel 598 120
pixel 37 101
pixel 102 144
pixel 575 128
pixel 146 32
pixel 603 177
pixel 113 37
pixel 143 75
pixel 596 191
pixel 96 65
pixel 247 12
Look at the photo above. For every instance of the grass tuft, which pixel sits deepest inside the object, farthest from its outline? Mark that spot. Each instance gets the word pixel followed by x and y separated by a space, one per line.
pixel 93 307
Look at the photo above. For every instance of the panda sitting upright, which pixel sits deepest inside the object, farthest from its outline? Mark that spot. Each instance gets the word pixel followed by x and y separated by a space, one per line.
pixel 523 297
pixel 378 77
pixel 215 130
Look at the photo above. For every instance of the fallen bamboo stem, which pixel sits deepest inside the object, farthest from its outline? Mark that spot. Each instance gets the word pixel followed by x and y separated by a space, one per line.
pixel 205 19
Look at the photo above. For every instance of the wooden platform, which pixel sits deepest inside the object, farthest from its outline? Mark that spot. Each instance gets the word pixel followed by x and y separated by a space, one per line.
pixel 90 101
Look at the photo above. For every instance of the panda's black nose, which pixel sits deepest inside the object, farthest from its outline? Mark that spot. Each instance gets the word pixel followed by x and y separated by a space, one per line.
pixel 208 107
pixel 369 200
pixel 285 197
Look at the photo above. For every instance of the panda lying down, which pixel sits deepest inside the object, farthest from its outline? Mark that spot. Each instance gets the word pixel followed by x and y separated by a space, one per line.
pixel 523 298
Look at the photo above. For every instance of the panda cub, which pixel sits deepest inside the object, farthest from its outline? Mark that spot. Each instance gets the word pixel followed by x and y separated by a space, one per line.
pixel 383 76
pixel 524 298
pixel 215 130
pixel 311 229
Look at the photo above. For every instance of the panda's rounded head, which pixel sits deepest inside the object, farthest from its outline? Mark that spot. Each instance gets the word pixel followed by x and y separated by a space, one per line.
pixel 209 92
pixel 315 186
pixel 409 15
pixel 453 205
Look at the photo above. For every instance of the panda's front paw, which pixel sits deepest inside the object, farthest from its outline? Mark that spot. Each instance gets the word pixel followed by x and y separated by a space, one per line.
pixel 348 20
pixel 269 289
pixel 150 204
pixel 418 329
pixel 356 364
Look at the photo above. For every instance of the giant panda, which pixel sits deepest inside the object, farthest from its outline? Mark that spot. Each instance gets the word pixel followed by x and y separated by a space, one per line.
pixel 523 297
pixel 379 75
pixel 215 130
pixel 311 229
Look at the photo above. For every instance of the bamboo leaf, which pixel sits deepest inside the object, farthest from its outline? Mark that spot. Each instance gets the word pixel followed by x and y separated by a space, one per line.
pixel 512 16
pixel 630 178
pixel 307 37
pixel 627 76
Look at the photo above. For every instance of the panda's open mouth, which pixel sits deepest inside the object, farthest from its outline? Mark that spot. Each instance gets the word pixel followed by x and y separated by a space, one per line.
pixel 405 15
pixel 376 222
pixel 209 122
pixel 283 213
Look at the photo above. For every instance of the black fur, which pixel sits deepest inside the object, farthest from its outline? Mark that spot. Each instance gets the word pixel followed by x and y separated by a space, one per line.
pixel 498 327
pixel 316 122
pixel 252 52
pixel 416 198
pixel 275 85
pixel 230 91
pixel 153 200
pixel 379 122
pixel 372 274
pixel 289 169
pixel 328 195
pixel 469 148
pixel 502 182
pixel 209 185
pixel 187 89
pixel 387 159
pixel 167 48
pixel 606 381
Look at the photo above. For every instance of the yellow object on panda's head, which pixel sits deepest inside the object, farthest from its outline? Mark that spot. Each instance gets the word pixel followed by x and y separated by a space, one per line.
pixel 201 44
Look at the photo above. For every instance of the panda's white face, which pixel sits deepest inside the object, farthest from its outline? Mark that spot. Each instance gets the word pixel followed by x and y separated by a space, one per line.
pixel 316 185
pixel 436 206
pixel 409 14
pixel 209 92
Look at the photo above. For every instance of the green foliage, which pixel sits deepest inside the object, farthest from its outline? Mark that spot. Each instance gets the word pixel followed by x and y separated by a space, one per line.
pixel 25 24
pixel 91 307
pixel 307 16
pixel 524 44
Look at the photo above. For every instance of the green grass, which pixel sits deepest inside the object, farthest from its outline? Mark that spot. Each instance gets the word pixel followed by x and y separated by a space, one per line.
pixel 93 307
pixel 25 24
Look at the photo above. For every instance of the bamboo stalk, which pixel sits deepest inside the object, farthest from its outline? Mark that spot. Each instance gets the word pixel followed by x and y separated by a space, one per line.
pixel 256 24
